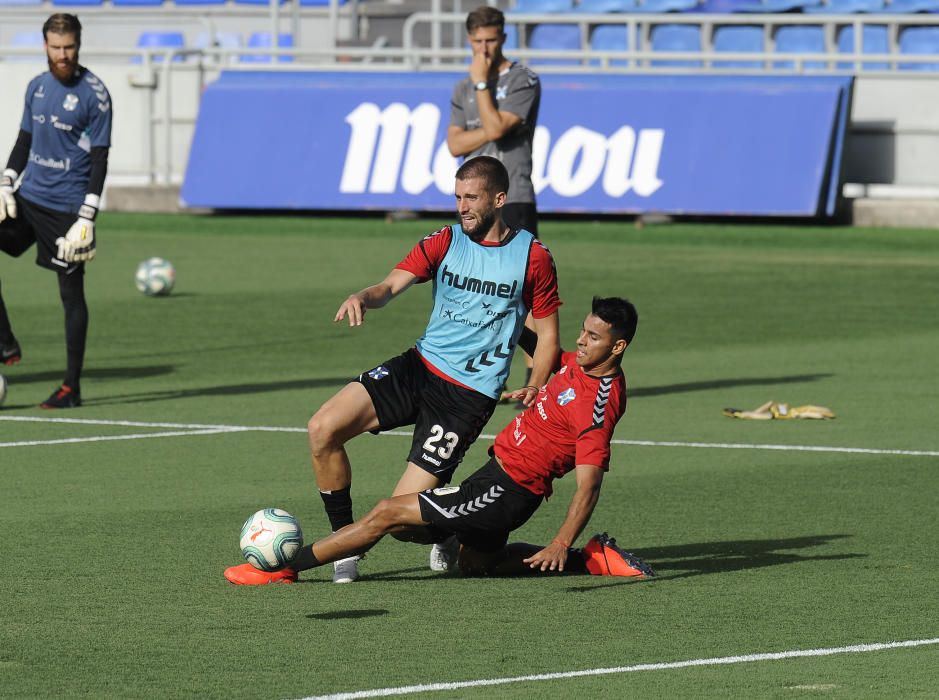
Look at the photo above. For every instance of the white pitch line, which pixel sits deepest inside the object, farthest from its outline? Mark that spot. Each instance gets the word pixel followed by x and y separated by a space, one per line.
pixel 717 661
pixel 107 438
pixel 398 433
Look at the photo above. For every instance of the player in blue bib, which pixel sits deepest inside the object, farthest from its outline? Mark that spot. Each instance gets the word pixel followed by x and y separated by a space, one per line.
pixel 61 153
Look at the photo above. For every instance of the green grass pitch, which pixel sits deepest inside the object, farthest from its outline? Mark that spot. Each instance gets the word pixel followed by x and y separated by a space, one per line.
pixel 114 543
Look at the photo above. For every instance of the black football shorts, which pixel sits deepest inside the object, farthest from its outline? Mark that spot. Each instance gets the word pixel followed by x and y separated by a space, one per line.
pixel 447 418
pixel 481 511
pixel 37 224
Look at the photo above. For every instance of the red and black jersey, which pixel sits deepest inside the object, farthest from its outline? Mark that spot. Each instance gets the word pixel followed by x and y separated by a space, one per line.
pixel 570 423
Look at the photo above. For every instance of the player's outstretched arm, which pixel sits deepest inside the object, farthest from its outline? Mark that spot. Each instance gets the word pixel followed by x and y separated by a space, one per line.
pixel 554 556
pixel 375 296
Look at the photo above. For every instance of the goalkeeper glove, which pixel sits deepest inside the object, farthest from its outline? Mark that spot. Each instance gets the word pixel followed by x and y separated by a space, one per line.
pixel 78 244
pixel 7 200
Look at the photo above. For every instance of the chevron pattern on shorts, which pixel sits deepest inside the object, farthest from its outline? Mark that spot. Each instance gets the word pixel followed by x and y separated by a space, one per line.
pixel 477 503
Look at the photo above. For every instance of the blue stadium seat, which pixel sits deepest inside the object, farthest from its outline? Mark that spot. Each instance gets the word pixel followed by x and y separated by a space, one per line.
pixel 160 40
pixel 262 40
pixel 20 3
pixel 199 2
pixel 895 7
pixel 919 41
pixel 777 6
pixel 739 38
pixel 256 2
pixel 610 37
pixel 555 37
pixel 319 3
pixel 511 36
pixel 136 3
pixel 76 3
pixel 540 7
pixel 676 37
pixel 802 38
pixel 599 7
pixel 839 7
pixel 874 39
pixel 720 6
pixel 24 40
pixel 656 6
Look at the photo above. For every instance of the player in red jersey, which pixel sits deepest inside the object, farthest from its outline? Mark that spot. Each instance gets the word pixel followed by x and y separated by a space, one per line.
pixel 568 428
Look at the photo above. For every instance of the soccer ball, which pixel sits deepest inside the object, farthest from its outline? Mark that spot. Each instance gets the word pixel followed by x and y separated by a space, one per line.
pixel 155 277
pixel 270 539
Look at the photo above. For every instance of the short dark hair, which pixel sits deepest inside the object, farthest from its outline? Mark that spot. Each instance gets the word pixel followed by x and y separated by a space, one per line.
pixel 63 23
pixel 619 313
pixel 489 169
pixel 485 16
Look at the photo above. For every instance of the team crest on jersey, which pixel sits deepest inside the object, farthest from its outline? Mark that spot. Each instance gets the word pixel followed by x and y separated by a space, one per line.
pixel 566 396
pixel 40 93
pixel 378 373
pixel 501 92
pixel 71 102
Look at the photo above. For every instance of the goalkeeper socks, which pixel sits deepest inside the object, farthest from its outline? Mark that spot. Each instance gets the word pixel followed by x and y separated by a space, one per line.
pixel 72 292
pixel 6 331
pixel 338 507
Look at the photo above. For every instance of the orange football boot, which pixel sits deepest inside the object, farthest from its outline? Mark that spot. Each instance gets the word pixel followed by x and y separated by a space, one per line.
pixel 247 575
pixel 604 558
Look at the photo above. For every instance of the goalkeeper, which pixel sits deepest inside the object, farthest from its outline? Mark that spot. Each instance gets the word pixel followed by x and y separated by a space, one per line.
pixel 60 159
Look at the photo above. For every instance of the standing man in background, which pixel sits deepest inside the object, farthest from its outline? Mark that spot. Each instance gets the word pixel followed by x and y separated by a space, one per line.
pixel 62 154
pixel 493 112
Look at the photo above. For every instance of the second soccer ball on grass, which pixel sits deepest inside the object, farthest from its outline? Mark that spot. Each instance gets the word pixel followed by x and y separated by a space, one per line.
pixel 155 277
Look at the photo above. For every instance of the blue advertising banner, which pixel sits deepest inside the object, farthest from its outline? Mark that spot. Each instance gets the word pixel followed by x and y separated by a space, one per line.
pixel 710 145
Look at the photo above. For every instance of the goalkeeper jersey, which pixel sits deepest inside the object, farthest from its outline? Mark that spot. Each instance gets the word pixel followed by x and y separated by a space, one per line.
pixel 65 121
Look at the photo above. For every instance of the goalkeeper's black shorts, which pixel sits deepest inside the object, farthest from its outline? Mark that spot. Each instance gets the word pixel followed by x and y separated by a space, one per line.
pixel 37 224
pixel 447 418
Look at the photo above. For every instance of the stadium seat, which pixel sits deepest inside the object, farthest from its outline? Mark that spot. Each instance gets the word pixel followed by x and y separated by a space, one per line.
pixel 657 6
pixel 919 41
pixel 76 3
pixel 738 38
pixel 802 38
pixel 676 37
pixel 874 39
pixel 540 7
pixel 719 6
pixel 136 3
pixel 776 6
pixel 257 2
pixel 199 2
pixel 262 40
pixel 160 40
pixel 24 40
pixel 320 3
pixel 895 7
pixel 511 36
pixel 610 37
pixel 20 3
pixel 555 37
pixel 839 7
pixel 599 7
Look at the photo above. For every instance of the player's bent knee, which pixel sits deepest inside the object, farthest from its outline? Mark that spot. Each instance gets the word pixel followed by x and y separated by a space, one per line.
pixel 384 517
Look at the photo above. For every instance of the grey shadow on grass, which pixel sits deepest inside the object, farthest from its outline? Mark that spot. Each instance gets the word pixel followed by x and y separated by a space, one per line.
pixel 99 373
pixel 347 614
pixel 729 383
pixel 697 559
pixel 226 390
